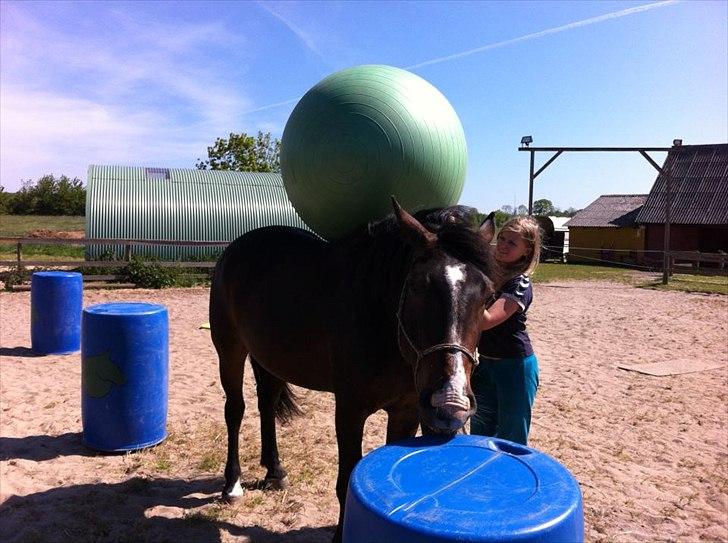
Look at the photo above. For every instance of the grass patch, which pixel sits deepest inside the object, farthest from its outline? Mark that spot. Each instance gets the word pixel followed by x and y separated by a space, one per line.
pixel 548 272
pixel 43 252
pixel 683 282
pixel 18 226
pixel 212 461
pixel 706 284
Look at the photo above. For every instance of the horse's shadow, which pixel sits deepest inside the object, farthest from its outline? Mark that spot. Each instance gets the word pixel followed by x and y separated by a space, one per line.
pixel 138 509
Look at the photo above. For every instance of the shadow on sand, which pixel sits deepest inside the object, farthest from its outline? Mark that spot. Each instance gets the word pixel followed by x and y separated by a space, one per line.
pixel 25 352
pixel 133 511
pixel 43 447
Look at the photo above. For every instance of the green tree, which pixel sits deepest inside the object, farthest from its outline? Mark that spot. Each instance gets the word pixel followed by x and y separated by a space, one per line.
pixel 501 217
pixel 241 152
pixel 5 198
pixel 49 196
pixel 543 207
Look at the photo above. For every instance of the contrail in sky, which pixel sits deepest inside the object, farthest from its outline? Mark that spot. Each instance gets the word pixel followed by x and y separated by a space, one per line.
pixel 548 32
pixel 300 34
pixel 271 106
pixel 454 56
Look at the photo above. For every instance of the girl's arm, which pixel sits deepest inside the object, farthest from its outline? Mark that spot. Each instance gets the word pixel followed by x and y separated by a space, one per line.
pixel 501 310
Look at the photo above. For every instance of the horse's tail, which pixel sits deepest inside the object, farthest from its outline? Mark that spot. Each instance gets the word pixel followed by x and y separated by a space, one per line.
pixel 286 408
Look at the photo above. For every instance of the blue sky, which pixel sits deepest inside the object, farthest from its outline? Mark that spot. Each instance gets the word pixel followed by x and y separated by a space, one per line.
pixel 154 83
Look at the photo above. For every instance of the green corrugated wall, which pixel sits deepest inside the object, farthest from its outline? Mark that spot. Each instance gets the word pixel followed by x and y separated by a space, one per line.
pixel 191 205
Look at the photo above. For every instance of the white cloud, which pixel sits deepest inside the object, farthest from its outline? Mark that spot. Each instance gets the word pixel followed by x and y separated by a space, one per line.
pixel 157 98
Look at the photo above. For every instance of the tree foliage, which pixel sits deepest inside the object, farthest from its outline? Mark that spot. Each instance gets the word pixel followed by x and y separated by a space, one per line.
pixel 501 217
pixel 244 153
pixel 540 207
pixel 543 207
pixel 48 196
pixel 5 198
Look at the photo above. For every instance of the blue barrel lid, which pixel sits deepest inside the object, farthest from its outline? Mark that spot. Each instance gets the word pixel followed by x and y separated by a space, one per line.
pixel 125 308
pixel 56 274
pixel 470 488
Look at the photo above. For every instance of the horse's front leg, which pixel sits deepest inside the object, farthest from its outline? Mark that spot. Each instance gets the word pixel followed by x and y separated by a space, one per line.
pixel 402 419
pixel 350 419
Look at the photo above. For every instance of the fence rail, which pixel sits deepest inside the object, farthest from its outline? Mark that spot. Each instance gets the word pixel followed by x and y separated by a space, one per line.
pixel 696 258
pixel 127 243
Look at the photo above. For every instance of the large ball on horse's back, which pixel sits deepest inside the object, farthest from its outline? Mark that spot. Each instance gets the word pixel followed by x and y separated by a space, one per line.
pixel 364 134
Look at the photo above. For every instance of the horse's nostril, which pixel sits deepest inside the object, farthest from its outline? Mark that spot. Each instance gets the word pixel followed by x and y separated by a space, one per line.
pixel 450 401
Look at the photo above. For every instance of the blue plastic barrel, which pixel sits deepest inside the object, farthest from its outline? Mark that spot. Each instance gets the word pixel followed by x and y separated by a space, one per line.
pixel 124 382
pixel 468 488
pixel 56 299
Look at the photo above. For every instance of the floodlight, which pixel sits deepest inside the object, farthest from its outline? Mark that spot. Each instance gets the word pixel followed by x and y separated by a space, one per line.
pixel 677 143
pixel 525 140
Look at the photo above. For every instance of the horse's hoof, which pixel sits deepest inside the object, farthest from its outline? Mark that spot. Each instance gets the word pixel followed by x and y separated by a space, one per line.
pixel 276 484
pixel 230 499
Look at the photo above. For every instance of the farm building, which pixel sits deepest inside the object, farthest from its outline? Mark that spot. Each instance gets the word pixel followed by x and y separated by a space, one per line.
pixel 606 230
pixel 180 204
pixel 699 195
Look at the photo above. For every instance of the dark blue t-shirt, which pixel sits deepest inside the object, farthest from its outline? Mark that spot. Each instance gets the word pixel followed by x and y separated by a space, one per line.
pixel 510 339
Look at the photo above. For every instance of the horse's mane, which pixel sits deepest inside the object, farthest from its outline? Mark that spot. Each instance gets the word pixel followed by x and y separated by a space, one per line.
pixel 381 256
pixel 456 227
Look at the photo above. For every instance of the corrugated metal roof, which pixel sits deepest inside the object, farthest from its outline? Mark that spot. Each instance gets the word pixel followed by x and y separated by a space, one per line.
pixel 699 191
pixel 185 204
pixel 610 211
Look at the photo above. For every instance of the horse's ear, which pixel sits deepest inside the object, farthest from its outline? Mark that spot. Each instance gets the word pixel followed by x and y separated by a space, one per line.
pixel 412 229
pixel 487 228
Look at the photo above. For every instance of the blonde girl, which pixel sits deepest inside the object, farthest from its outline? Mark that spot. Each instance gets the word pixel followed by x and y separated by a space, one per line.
pixel 506 380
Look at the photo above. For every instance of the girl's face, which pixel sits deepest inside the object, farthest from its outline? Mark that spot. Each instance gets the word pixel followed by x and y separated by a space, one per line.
pixel 511 247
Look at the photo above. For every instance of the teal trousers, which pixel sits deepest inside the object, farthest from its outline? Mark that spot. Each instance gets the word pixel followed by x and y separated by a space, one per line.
pixel 504 392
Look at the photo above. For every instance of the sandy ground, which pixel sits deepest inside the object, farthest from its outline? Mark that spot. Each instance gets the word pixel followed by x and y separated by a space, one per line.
pixel 650 453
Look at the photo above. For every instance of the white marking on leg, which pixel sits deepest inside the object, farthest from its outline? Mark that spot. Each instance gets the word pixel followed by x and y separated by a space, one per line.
pixel 237 489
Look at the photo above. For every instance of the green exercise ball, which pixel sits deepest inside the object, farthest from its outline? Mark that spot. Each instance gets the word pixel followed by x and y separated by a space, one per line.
pixel 364 134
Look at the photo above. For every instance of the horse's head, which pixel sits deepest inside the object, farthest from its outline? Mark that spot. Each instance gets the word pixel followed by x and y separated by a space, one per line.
pixel 440 311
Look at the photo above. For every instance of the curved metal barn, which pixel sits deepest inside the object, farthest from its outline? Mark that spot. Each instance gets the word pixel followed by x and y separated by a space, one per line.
pixel 124 202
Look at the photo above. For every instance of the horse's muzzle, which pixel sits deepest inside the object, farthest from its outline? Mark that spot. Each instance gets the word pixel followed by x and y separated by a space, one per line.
pixel 445 413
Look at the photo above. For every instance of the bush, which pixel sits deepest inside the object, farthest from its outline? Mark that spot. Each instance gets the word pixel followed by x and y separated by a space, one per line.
pixel 49 196
pixel 149 274
pixel 16 276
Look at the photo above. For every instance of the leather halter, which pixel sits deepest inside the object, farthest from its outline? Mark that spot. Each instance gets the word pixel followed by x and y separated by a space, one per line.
pixel 419 355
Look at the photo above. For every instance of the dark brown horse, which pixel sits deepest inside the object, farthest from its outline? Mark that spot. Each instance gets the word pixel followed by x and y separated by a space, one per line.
pixel 385 319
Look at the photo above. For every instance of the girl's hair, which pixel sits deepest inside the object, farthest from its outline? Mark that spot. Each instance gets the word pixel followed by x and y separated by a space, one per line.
pixel 530 231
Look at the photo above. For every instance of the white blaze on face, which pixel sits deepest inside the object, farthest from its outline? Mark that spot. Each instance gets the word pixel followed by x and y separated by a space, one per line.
pixel 452 394
pixel 456 275
pixel 456 278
